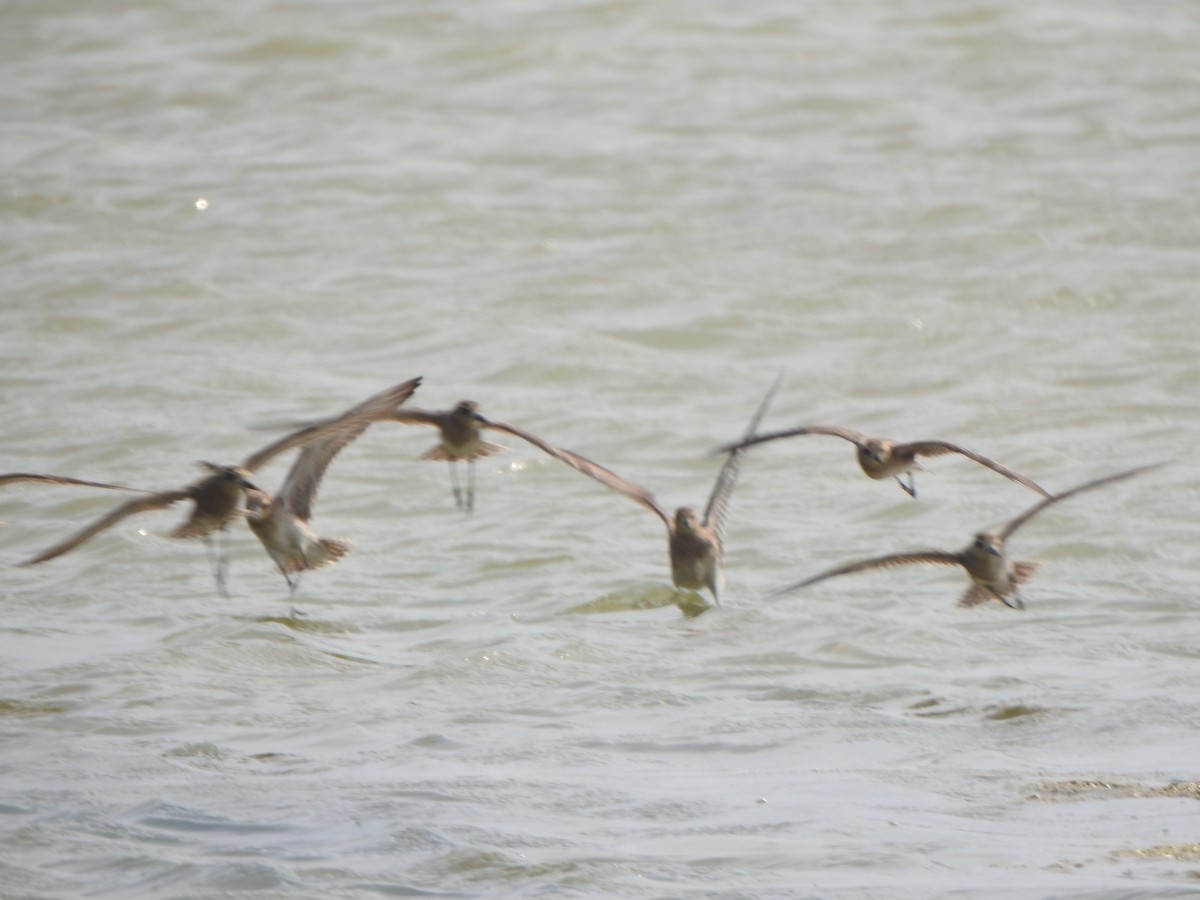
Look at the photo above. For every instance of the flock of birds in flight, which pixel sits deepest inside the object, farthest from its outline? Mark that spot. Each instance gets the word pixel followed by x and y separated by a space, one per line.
pixel 695 541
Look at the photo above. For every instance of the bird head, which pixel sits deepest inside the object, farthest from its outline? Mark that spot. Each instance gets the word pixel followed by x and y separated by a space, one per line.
pixel 258 503
pixel 686 519
pixel 875 449
pixel 986 542
pixel 468 409
pixel 231 474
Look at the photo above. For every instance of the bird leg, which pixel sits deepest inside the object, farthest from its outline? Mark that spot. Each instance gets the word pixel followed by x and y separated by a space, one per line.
pixel 1015 603
pixel 910 488
pixel 212 563
pixel 458 495
pixel 213 552
pixel 1018 600
pixel 470 485
pixel 225 555
pixel 293 583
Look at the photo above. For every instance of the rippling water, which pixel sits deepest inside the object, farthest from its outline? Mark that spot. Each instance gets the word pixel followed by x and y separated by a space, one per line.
pixel 612 223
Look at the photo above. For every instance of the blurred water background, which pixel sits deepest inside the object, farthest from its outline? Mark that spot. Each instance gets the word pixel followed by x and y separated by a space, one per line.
pixel 612 223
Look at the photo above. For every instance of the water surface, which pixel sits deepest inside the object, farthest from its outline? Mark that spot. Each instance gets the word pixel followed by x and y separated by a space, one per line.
pixel 613 224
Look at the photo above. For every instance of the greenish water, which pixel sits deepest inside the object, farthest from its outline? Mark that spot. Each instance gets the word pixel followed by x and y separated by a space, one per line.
pixel 612 224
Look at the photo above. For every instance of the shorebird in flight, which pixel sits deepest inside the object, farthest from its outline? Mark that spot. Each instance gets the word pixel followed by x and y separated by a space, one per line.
pixel 281 522
pixel 883 458
pixel 462 439
pixel 215 501
pixel 695 543
pixel 993 577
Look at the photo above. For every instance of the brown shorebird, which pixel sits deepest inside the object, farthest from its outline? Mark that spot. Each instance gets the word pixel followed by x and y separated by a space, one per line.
pixel 882 458
pixel 18 477
pixel 461 439
pixel 695 543
pixel 281 522
pixel 215 500
pixel 992 575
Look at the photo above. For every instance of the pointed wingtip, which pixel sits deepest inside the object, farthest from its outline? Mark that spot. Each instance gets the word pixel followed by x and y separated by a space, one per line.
pixel 773 389
pixel 786 589
pixel 758 415
pixel 42 557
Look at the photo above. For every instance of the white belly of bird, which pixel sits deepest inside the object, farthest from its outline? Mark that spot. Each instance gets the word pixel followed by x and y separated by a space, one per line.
pixel 992 571
pixel 290 544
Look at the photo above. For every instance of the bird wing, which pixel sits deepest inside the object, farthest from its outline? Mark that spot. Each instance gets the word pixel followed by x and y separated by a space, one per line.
pixel 940 448
pixel 934 557
pixel 16 477
pixel 418 417
pixel 717 509
pixel 846 434
pixel 299 490
pixel 1078 489
pixel 367 411
pixel 606 477
pixel 160 500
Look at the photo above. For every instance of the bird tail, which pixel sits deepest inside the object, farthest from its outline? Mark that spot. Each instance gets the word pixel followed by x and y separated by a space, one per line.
pixel 1023 571
pixel 326 552
pixel 440 453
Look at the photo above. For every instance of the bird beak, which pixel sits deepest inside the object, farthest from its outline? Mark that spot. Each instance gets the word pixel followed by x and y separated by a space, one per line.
pixel 246 485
